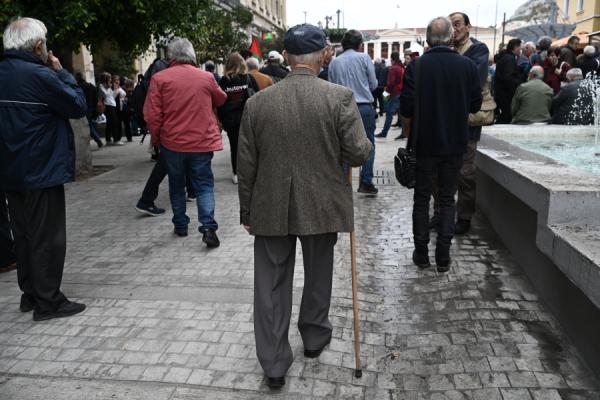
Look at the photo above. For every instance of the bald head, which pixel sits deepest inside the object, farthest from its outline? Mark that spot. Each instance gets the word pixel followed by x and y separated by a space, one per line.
pixel 536 72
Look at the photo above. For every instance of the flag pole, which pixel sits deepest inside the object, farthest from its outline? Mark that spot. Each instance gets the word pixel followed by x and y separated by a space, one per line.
pixel 358 371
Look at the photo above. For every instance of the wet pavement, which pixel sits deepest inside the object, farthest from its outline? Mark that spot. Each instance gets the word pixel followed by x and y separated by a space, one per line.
pixel 168 318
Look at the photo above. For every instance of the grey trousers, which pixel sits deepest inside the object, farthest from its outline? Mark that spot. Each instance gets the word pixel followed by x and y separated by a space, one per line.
pixel 274 258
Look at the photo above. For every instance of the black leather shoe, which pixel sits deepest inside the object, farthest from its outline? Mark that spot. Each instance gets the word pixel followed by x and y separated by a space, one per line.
pixel 179 233
pixel 66 310
pixel 462 226
pixel 421 261
pixel 276 382
pixel 433 222
pixel 443 265
pixel 368 189
pixel 210 238
pixel 27 303
pixel 316 353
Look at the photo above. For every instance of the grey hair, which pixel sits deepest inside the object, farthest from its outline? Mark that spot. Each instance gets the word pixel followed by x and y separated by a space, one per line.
pixel 306 59
pixel 440 32
pixel 79 76
pixel 23 34
pixel 181 50
pixel 574 73
pixel 589 51
pixel 545 42
pixel 537 72
pixel 530 44
pixel 252 63
pixel 377 61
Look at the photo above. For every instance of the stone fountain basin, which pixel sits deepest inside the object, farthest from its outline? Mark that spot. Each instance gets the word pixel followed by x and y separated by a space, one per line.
pixel 548 215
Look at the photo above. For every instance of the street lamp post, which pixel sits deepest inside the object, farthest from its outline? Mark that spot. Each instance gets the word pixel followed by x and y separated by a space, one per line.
pixel 305 17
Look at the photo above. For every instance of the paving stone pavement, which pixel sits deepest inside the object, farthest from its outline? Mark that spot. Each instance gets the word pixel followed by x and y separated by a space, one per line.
pixel 168 318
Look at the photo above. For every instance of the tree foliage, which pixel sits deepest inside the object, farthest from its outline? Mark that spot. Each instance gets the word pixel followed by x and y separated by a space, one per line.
pixel 129 25
pixel 538 13
pixel 221 33
pixel 121 64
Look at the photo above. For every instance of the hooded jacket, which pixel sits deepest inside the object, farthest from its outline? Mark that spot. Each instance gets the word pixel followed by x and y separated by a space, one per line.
pixel 37 145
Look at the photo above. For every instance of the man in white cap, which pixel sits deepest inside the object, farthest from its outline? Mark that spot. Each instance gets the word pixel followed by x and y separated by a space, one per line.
pixel 273 69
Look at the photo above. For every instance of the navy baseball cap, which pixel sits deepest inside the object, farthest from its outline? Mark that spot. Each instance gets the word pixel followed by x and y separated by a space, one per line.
pixel 304 39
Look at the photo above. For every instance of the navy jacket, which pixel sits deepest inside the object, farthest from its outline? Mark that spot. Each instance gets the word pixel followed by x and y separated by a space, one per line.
pixel 381 73
pixel 449 90
pixel 37 146
pixel 480 54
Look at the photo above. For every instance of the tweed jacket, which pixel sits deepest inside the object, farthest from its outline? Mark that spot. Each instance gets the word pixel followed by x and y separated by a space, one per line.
pixel 293 139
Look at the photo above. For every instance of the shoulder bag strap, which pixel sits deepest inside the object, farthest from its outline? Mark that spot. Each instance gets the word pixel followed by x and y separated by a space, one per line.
pixel 414 129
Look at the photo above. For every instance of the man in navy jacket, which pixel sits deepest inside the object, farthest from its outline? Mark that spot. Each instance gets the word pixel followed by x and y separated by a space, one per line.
pixel 449 90
pixel 479 53
pixel 37 157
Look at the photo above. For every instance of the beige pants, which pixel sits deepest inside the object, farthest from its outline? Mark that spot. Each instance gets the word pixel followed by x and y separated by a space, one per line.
pixel 465 206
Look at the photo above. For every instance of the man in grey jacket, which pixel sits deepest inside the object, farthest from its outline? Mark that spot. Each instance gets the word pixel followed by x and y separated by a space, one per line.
pixel 292 185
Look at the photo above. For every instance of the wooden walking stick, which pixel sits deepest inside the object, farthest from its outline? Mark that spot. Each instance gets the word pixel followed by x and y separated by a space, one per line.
pixel 358 371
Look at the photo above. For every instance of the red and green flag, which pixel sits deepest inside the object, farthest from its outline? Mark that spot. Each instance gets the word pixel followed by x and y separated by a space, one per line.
pixel 255 48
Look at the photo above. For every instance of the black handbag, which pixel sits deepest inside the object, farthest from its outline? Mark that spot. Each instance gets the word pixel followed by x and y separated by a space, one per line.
pixel 405 162
pixel 249 90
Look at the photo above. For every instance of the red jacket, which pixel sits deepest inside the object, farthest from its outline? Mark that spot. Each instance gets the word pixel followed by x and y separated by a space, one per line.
pixel 394 81
pixel 178 109
pixel 554 80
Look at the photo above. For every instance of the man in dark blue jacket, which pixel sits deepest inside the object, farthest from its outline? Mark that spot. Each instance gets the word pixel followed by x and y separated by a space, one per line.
pixel 479 53
pixel 449 89
pixel 37 157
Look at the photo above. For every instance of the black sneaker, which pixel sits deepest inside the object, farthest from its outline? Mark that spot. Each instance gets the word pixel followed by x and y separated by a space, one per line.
pixel 275 382
pixel 368 189
pixel 99 143
pixel 462 226
pixel 443 265
pixel 66 310
pixel 210 238
pixel 180 233
pixel 150 210
pixel 421 261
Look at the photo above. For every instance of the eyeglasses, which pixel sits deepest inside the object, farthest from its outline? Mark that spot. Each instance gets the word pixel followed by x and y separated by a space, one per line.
pixel 457 24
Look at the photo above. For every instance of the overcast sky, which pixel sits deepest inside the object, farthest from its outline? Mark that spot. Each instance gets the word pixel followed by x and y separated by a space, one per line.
pixel 383 14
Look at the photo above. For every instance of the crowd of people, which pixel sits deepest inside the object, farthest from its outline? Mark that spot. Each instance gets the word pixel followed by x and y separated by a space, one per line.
pixel 292 132
pixel 542 84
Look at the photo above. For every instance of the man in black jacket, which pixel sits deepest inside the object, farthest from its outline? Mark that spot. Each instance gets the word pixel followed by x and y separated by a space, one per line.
pixel 324 73
pixel 507 78
pixel 91 99
pixel 449 89
pixel 567 53
pixel 479 53
pixel 589 64
pixel 273 69
pixel 574 104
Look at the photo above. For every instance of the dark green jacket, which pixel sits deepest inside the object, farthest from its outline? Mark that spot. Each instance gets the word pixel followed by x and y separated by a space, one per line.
pixel 532 103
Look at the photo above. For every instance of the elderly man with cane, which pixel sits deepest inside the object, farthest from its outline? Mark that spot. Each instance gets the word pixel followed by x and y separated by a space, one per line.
pixel 292 185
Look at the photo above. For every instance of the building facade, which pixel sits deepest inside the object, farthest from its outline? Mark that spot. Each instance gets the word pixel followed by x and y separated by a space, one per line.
pixel 585 13
pixel 268 15
pixel 401 39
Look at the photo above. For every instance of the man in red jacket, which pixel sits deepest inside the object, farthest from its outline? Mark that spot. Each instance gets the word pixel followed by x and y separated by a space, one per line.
pixel 394 84
pixel 178 111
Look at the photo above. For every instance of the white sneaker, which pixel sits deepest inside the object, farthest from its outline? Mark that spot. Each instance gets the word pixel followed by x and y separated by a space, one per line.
pixel 234 179
pixel 119 143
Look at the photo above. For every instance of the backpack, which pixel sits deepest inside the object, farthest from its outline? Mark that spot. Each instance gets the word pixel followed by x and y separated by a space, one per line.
pixel 138 97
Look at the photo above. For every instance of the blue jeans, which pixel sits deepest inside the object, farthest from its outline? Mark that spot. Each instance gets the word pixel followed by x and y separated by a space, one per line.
pixel 368 117
pixel 88 114
pixel 198 166
pixel 392 107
